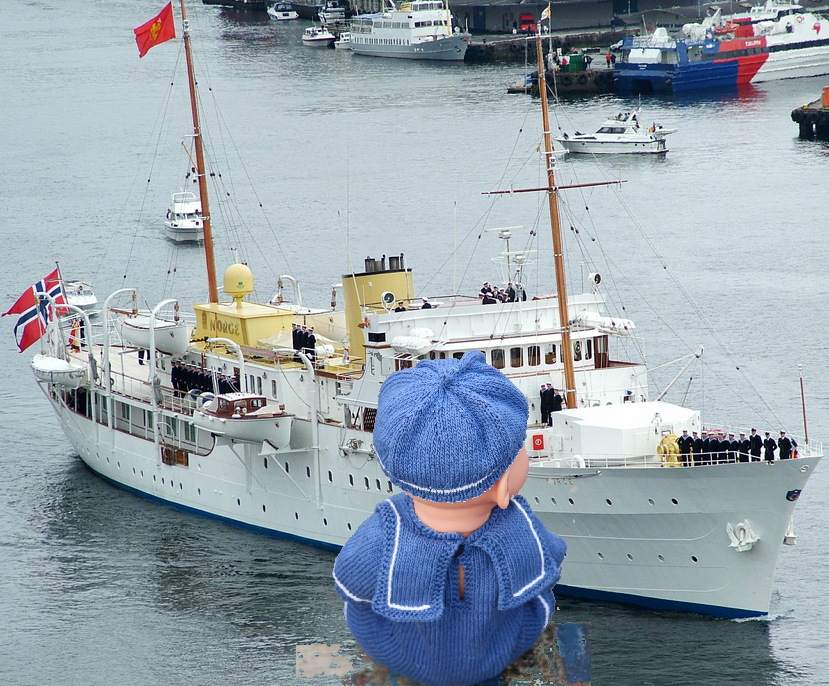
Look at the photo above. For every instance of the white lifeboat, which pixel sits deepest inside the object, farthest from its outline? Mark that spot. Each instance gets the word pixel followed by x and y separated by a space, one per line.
pixel 171 337
pixel 245 417
pixel 58 372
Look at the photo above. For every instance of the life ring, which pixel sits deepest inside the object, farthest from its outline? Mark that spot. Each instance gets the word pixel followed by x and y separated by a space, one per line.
pixel 799 18
pixel 582 79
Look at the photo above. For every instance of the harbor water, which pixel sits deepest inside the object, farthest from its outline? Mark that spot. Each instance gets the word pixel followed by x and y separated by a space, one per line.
pixel 720 243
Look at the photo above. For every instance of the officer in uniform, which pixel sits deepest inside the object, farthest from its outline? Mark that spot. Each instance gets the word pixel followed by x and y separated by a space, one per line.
pixel 696 443
pixel 556 401
pixel 733 448
pixel 545 405
pixel 756 445
pixel 785 445
pixel 706 449
pixel 770 446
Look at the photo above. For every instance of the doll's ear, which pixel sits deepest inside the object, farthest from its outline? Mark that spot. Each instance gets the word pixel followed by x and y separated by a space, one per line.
pixel 501 491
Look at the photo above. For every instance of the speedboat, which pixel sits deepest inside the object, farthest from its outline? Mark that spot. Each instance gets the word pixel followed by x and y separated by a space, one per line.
pixel 318 37
pixel 344 41
pixel 80 294
pixel 622 134
pixel 282 11
pixel 184 222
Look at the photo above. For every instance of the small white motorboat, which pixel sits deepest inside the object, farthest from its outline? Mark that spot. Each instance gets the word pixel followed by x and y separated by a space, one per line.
pixel 184 222
pixel 80 294
pixel 245 417
pixel 332 13
pixel 54 370
pixel 282 11
pixel 171 336
pixel 344 41
pixel 622 134
pixel 318 37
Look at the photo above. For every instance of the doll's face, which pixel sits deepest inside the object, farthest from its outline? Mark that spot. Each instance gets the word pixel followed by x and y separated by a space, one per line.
pixel 518 471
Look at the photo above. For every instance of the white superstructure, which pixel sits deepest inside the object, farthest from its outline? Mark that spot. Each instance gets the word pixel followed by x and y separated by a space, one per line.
pixel 420 30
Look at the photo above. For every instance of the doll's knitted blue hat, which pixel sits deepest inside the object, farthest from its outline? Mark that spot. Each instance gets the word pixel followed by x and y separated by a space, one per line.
pixel 446 430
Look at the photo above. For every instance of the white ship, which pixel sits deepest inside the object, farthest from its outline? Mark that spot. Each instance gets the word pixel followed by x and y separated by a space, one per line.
pixel 243 427
pixel 184 222
pixel 622 134
pixel 419 30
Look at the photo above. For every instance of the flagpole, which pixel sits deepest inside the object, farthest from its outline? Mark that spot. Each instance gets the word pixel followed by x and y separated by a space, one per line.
pixel 201 169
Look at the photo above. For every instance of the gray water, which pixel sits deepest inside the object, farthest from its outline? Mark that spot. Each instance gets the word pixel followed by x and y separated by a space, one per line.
pixel 721 243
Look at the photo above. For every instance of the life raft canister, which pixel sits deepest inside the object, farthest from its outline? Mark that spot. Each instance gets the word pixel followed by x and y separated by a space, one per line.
pixel 668 450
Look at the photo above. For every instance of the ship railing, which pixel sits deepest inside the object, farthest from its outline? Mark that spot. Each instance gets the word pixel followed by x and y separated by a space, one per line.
pixel 655 461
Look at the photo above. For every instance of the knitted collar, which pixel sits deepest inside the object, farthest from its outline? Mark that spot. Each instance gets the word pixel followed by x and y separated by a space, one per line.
pixel 415 559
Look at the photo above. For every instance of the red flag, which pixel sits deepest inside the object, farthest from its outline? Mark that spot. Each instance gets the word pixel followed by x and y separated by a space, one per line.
pixel 157 30
pixel 34 313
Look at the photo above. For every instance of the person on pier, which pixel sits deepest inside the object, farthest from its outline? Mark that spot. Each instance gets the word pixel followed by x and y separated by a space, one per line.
pixel 770 446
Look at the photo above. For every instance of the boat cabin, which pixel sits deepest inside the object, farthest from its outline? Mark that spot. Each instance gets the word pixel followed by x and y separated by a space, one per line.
pixel 237 405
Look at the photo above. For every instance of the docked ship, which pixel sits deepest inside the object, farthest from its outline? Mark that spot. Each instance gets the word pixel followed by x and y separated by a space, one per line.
pixel 767 45
pixel 237 416
pixel 419 30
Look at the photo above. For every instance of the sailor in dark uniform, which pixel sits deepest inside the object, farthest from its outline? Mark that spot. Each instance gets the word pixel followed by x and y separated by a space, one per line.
pixel 544 404
pixel 733 448
pixel 696 445
pixel 686 447
pixel 556 401
pixel 510 293
pixel 705 455
pixel 294 336
pixel 312 345
pixel 756 445
pixel 770 446
pixel 785 445
pixel 745 447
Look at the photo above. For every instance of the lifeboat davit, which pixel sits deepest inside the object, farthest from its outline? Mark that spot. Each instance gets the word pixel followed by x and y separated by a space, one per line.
pixel 171 337
pixel 245 417
pixel 58 372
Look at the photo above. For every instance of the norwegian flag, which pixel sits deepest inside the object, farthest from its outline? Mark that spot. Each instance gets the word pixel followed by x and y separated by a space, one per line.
pixel 33 313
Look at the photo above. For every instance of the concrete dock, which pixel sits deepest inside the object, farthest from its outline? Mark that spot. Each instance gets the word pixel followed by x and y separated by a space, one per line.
pixel 813 119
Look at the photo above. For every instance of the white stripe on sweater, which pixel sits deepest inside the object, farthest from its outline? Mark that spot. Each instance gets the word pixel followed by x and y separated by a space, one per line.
pixel 540 550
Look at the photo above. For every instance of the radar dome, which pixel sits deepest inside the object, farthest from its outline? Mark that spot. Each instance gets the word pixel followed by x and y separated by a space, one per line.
pixel 238 281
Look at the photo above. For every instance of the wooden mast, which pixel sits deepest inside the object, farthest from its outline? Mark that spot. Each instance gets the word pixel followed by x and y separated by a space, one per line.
pixel 555 227
pixel 213 293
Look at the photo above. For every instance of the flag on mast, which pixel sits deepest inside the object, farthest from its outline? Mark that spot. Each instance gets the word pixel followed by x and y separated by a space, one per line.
pixel 33 313
pixel 157 30
pixel 546 13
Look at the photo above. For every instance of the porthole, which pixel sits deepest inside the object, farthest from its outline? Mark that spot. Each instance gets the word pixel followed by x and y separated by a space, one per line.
pixel 296 515
pixel 324 521
pixel 172 484
pixel 650 502
pixel 377 483
pixel 571 501
pixel 238 502
pixel 265 461
pixel 661 558
pixel 629 556
pixel 107 460
pixel 694 559
pixel 601 556
pixel 330 477
pixel 133 470
pixel 308 471
pixel 388 486
pixel 142 473
pixel 180 486
pixel 609 502
pixel 198 491
pixel 162 480
pixel 674 501
pixel 365 480
pixel 287 468
pixel 351 479
pixel 119 464
pixel 264 509
pixel 553 501
pixel 153 477
pixel 348 524
pixel 537 500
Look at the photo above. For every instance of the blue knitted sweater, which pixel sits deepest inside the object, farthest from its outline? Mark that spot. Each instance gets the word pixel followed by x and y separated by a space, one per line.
pixel 399 581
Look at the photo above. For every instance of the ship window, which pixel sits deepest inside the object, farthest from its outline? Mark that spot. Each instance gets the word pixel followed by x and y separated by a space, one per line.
pixel 442 356
pixel 588 349
pixel 550 353
pixel 170 428
pixel 273 388
pixel 534 355
pixel 497 358
pixel 516 357
pixel 125 411
pixel 457 356
pixel 259 384
pixel 576 351
pixel 189 431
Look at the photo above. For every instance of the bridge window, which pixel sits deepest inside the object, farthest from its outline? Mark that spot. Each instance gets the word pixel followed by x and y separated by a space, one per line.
pixel 533 355
pixel 458 355
pixel 516 357
pixel 588 349
pixel 497 358
pixel 550 354
pixel 577 351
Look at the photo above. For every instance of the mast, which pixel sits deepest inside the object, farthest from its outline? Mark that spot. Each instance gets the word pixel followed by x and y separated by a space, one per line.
pixel 212 291
pixel 555 228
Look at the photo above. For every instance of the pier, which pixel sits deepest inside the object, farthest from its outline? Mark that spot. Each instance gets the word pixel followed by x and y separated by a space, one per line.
pixel 515 48
pixel 813 119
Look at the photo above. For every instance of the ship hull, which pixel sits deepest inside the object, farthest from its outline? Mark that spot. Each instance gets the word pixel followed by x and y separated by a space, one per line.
pixel 451 49
pixel 639 549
